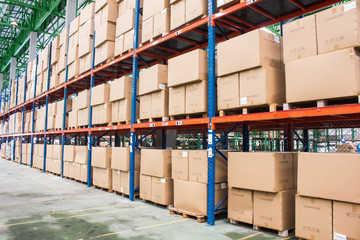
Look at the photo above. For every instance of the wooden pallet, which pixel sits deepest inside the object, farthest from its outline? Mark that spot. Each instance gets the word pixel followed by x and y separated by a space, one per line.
pixel 322 103
pixel 186 214
pixel 103 189
pixel 137 195
pixel 157 204
pixel 85 126
pixel 189 116
pixel 72 127
pixel 146 120
pixel 104 62
pixel 119 123
pixel 253 109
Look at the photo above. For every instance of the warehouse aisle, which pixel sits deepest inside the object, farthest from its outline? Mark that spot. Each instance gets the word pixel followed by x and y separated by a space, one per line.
pixel 37 205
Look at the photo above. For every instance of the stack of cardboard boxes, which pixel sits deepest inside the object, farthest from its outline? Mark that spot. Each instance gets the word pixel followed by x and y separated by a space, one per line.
pixel 69 158
pixel 101 106
pixel 83 101
pixel 17 150
pixel 186 11
pixel 40 120
pixel 53 158
pixel 101 167
pixel 105 26
pixel 73 52
pixel 42 71
pixel 120 98
pixel 188 83
pixel 154 95
pixel 60 113
pixel 25 153
pixel 38 156
pixel 86 33
pixel 262 188
pixel 52 111
pixel 73 115
pixel 254 79
pixel 190 175
pixel 55 56
pixel 63 51
pixel 156 184
pixel 328 200
pixel 81 160
pixel 28 121
pixel 319 54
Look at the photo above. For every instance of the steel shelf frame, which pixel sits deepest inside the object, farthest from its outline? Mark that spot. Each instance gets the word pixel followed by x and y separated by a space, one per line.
pixel 205 32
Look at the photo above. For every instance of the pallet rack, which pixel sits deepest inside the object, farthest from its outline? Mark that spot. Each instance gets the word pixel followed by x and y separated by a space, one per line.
pixel 206 32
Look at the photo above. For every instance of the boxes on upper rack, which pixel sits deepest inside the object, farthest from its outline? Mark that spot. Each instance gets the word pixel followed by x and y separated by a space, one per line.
pixel 120 88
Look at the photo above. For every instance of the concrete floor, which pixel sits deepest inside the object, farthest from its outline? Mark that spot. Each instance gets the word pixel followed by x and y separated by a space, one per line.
pixel 37 205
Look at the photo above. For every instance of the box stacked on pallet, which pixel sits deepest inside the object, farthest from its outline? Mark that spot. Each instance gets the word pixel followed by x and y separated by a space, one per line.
pixel 120 165
pixel 38 156
pixel 60 113
pixel 40 120
pixel 42 71
pixel 262 188
pixel 61 65
pixel 28 121
pixel 73 114
pixel 3 150
pixel 100 101
pixel 25 153
pixel 55 57
pixel 101 167
pixel 256 79
pixel 190 175
pixel 81 166
pixel 188 75
pixel 105 27
pixel 86 33
pixel 18 120
pixel 154 95
pixel 83 100
pixel 52 110
pixel 53 159
pixel 156 184
pixel 120 98
pixel 13 93
pixel 186 11
pixel 20 98
pixel 73 52
pixel 328 200
pixel 17 150
pixel 69 164
pixel 156 19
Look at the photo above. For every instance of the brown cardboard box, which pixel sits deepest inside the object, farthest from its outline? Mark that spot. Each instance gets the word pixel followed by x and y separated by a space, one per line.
pixel 196 95
pixel 85 38
pixel 313 218
pixel 74 26
pixel 177 11
pixel 160 104
pixel 84 173
pixel 125 110
pixel 85 63
pixel 131 5
pixel 195 9
pixel 198 166
pixel 106 14
pixel 129 40
pixel 338 27
pixel 115 111
pixel 256 48
pixel 125 22
pixel 147 29
pixel 100 4
pixel 192 196
pixel 71 169
pixel 151 7
pixel 228 92
pixel 187 68
pixel 162 190
pixel 83 99
pixel 275 210
pixel 105 32
pixel 120 159
pixel 269 172
pixel 153 79
pixel 300 39
pixel 145 187
pixel 87 13
pixel 262 86
pixel 102 177
pixel 156 162
pixel 119 45
pixel 104 51
pixel 56 151
pixel 120 88
pixel 83 117
pixel 317 171
pixel 145 106
pixel 241 207
pixel 125 181
pixel 100 94
pixel 346 220
pixel 180 165
pixel 69 153
pixel 102 114
pixel 320 76
pixel 101 157
pixel 77 170
pixel 81 154
pixel 73 69
pixel 177 100
pixel 116 180
pixel 162 23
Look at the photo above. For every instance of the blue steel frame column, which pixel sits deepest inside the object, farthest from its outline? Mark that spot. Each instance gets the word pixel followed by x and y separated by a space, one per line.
pixel 9 102
pixel 16 102
pixel 211 113
pixel 46 107
pixel 23 116
pixel 33 115
pixel 133 102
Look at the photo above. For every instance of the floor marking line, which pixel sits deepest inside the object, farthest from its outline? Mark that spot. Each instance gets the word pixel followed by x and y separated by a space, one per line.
pixel 287 238
pixel 250 236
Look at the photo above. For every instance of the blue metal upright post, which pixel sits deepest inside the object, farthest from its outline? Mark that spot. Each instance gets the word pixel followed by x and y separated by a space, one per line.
pixel 133 102
pixel 16 102
pixel 211 114
pixel 9 102
pixel 23 115
pixel 46 107
pixel 33 116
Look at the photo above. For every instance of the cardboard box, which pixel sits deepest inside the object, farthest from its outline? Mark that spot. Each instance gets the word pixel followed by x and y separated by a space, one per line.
pixel 228 92
pixel 83 117
pixel 151 7
pixel 125 22
pixel 125 181
pixel 81 154
pixel 198 166
pixel 101 157
pixel 256 48
pixel 120 159
pixel 196 97
pixel 275 210
pixel 121 88
pixel 74 26
pixel 107 14
pixel 87 13
pixel 240 206
pixel 162 190
pixel 119 45
pixel 195 9
pixel 85 63
pixel 313 218
pixel 116 180
pixel 102 177
pixel 69 153
pixel 153 79
pixel 262 86
pixel 156 162
pixel 147 30
pixel 84 173
pixel 320 76
pixel 145 106
pixel 104 52
pixel 102 114
pixel 73 69
pixel 77 171
pixel 346 220
pixel 180 165
pixel 145 187
pixel 115 111
pixel 160 104
pixel 261 171
pixel 105 32
pixel 317 171
pixel 338 27
pixel 56 151
pixel 100 94
pixel 187 68
pixel 162 23
pixel 129 40
pixel 192 196
pixel 125 110
pixel 83 99
pixel 300 39
pixel 177 100
pixel 177 11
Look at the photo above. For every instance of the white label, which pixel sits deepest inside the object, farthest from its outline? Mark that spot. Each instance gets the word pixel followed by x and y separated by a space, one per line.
pixel 184 154
pixel 163 180
pixel 156 42
pixel 152 125
pixel 178 123
pixel 349 6
pixel 219 14
pixel 121 189
pixel 84 166
pixel 210 138
pixel 178 32
pixel 131 149
pixel 223 185
pixel 162 86
pixel 164 123
pixel 118 172
pixel 276 39
pixel 338 236
pixel 250 1
pixel 243 101
pixel 163 11
pixel 210 152
pixel 220 2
